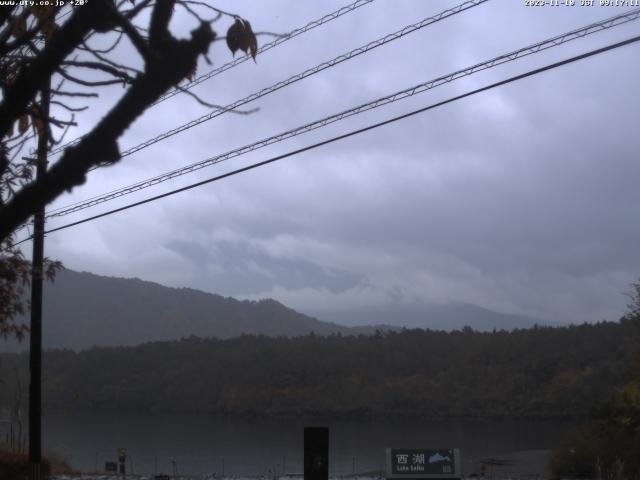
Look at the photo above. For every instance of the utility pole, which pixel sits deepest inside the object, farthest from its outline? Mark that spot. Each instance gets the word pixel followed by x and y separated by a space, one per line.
pixel 35 339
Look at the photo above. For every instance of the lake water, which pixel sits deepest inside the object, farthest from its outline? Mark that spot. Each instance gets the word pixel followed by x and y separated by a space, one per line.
pixel 201 444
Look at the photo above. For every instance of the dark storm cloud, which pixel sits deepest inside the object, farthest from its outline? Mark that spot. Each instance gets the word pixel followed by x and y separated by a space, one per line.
pixel 520 199
pixel 232 268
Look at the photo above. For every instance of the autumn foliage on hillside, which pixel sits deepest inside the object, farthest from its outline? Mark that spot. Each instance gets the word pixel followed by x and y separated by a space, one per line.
pixel 540 372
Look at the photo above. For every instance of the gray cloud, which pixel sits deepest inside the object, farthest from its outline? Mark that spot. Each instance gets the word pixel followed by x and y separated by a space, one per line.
pixel 521 199
pixel 238 268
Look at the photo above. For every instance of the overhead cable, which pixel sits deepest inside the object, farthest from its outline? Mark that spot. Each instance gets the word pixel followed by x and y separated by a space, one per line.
pixel 307 73
pixel 241 59
pixel 294 33
pixel 352 133
pixel 420 88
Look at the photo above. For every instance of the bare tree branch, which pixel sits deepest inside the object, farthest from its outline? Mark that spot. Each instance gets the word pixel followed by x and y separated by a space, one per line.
pixel 87 83
pixel 134 35
pixel 109 49
pixel 68 108
pixel 100 66
pixel 212 105
pixel 18 42
pixel 30 79
pixel 159 34
pixel 129 14
pixel 105 60
pixel 172 60
pixel 64 93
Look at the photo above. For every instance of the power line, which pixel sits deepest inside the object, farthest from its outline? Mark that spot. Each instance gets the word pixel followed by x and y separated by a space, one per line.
pixel 508 57
pixel 241 59
pixel 294 33
pixel 307 73
pixel 355 132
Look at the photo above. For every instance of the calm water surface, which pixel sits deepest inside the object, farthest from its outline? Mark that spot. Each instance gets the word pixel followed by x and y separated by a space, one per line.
pixel 201 444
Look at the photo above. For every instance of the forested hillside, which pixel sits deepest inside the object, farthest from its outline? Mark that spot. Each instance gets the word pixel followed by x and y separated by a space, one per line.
pixel 82 310
pixel 541 372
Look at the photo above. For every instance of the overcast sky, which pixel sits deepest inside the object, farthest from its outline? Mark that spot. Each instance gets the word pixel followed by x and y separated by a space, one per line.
pixel 522 199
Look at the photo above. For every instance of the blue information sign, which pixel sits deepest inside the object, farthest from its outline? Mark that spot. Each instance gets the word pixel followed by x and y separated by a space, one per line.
pixel 423 463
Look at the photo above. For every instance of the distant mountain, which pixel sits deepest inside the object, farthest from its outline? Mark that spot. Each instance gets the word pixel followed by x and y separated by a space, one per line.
pixel 82 310
pixel 450 316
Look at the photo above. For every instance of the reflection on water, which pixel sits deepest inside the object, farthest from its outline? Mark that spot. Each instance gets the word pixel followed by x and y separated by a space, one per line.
pixel 200 444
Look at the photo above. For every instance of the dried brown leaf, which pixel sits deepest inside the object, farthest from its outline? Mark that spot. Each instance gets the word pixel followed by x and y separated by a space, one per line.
pixel 240 36
pixel 19 27
pixel 49 28
pixel 37 121
pixel 252 41
pixel 46 19
pixel 234 35
pixel 37 11
pixel 23 123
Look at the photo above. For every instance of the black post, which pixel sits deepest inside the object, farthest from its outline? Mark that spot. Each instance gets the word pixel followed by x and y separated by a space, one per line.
pixel 316 453
pixel 122 462
pixel 35 346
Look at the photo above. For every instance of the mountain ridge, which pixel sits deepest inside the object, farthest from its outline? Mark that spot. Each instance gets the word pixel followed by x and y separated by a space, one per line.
pixel 82 310
pixel 446 316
